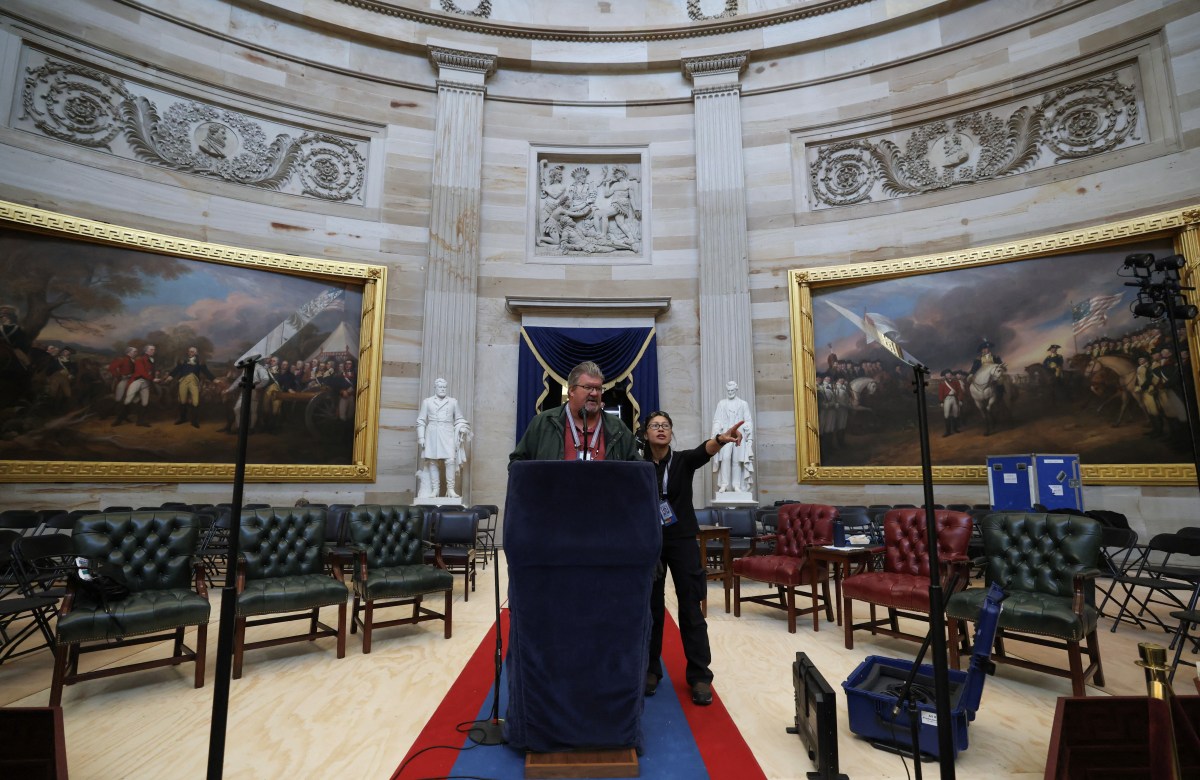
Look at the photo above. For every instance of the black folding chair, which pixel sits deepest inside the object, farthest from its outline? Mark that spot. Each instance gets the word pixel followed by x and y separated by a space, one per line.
pixel 1161 579
pixel 21 617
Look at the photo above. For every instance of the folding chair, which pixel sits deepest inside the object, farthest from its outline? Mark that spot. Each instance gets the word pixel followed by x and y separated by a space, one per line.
pixel 1164 579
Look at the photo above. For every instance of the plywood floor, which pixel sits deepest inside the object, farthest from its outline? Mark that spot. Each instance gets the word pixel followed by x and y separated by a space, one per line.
pixel 299 712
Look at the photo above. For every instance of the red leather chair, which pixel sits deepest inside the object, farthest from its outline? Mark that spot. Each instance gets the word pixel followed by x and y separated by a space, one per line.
pixel 787 569
pixel 902 587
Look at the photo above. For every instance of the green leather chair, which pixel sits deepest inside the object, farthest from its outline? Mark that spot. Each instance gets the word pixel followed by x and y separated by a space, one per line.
pixel 390 571
pixel 155 550
pixel 282 569
pixel 1044 562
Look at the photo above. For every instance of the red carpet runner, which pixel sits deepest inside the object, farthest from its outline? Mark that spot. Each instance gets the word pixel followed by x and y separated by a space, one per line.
pixel 720 746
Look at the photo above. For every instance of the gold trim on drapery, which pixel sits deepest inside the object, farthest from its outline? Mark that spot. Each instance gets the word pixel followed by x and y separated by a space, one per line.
pixel 549 373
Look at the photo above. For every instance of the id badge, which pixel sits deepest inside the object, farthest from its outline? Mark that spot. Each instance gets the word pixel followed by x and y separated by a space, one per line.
pixel 665 513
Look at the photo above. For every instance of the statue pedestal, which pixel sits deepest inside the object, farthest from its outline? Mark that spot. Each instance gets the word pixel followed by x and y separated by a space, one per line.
pixel 440 501
pixel 734 499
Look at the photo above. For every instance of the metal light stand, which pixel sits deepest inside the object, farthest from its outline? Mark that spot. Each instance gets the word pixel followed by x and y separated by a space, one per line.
pixel 1164 295
pixel 937 617
pixel 491 730
pixel 220 711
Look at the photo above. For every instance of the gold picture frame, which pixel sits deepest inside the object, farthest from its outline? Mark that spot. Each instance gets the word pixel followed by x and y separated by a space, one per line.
pixel 1012 267
pixel 131 287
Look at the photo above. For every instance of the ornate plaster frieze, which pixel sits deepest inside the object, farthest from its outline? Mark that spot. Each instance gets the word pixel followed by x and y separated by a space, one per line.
pixel 589 209
pixel 722 24
pixel 481 11
pixel 1072 122
pixel 77 104
pixel 715 64
pixel 696 14
pixel 457 59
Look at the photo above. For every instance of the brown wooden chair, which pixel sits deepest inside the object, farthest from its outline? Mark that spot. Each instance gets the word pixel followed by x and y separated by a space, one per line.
pixel 788 569
pixel 902 587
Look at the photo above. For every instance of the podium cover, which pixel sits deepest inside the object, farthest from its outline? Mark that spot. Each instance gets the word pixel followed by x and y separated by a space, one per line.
pixel 582 540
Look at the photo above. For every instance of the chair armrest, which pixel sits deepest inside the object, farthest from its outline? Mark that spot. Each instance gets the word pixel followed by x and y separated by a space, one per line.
pixel 241 574
pixel 68 600
pixel 766 539
pixel 200 583
pixel 1079 582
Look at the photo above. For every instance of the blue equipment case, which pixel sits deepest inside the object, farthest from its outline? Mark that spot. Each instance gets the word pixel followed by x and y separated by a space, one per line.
pixel 1017 482
pixel 873 688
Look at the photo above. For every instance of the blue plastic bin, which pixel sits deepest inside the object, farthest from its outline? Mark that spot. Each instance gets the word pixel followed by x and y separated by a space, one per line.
pixel 873 688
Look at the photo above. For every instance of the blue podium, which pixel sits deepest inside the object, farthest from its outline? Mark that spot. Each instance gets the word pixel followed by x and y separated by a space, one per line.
pixel 582 540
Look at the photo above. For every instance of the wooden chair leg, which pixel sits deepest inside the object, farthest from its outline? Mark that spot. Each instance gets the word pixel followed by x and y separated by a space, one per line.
pixel 874 619
pixel 201 648
pixel 952 643
pixel 368 622
pixel 737 595
pixel 828 601
pixel 848 621
pixel 791 610
pixel 449 611
pixel 341 630
pixel 61 656
pixel 466 586
pixel 1093 649
pixel 1076 662
pixel 178 650
pixel 354 617
pixel 416 607
pixel 239 639
pixel 314 618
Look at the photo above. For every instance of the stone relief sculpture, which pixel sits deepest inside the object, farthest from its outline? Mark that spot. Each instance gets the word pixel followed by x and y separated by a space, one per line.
pixel 696 13
pixel 595 214
pixel 442 435
pixel 1070 123
pixel 78 104
pixel 482 11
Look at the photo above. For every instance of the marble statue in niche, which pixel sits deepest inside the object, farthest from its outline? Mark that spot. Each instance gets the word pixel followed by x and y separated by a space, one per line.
pixel 442 435
pixel 597 213
pixel 733 464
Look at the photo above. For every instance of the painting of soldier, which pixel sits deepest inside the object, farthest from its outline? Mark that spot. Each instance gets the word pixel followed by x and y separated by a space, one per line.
pixel 1016 365
pixel 114 354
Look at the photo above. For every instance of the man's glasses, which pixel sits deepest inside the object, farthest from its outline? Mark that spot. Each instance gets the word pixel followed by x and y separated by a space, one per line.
pixel 591 388
pixel 659 427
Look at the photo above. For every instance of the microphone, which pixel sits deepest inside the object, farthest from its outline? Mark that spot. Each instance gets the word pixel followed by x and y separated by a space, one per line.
pixel 585 441
pixel 249 360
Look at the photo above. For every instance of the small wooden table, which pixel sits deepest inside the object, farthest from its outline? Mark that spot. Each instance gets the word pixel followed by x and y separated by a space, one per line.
pixel 840 562
pixel 719 571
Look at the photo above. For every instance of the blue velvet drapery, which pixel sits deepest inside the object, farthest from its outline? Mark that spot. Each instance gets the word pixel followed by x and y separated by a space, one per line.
pixel 628 357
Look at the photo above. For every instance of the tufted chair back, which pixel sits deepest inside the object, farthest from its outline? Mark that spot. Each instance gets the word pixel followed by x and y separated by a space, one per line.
pixel 390 535
pixel 154 548
pixel 282 541
pixel 906 540
pixel 1039 552
pixel 801 525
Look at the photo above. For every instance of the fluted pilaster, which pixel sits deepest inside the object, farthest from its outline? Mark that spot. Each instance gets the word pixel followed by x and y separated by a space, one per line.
pixel 452 270
pixel 726 338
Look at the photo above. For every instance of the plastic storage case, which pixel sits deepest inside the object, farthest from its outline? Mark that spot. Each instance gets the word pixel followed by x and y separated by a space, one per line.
pixel 873 687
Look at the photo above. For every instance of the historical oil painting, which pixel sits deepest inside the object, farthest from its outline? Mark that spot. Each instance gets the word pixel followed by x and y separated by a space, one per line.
pixel 1037 354
pixel 122 360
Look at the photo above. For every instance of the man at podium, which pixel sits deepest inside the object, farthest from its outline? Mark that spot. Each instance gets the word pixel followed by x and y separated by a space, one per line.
pixel 578 430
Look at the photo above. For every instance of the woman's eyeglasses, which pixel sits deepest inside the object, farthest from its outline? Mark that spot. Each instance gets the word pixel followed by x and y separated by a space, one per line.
pixel 659 427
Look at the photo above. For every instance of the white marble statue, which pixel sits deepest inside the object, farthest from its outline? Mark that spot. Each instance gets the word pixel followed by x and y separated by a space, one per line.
pixel 442 433
pixel 734 463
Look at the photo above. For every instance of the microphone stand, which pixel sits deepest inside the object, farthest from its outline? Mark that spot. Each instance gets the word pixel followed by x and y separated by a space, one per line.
pixel 491 730
pixel 216 739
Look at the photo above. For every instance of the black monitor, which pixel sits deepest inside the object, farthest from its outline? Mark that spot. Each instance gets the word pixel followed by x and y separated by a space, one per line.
pixel 816 719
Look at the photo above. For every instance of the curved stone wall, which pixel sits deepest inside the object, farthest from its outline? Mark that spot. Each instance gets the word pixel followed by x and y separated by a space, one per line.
pixel 731 126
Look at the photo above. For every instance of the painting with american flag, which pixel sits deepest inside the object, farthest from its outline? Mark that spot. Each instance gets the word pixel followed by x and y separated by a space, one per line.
pixel 1034 352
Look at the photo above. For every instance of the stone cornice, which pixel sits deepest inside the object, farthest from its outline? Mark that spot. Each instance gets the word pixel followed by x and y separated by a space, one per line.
pixel 491 27
pixel 713 64
pixel 521 304
pixel 463 60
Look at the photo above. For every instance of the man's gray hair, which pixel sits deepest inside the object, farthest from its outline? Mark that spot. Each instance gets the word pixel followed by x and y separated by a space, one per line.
pixel 586 367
